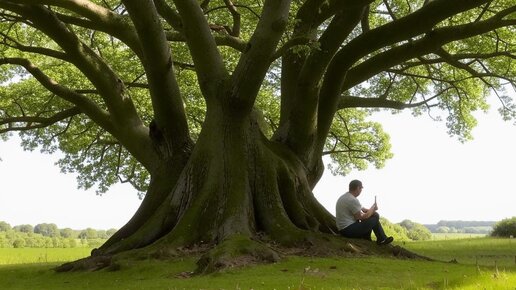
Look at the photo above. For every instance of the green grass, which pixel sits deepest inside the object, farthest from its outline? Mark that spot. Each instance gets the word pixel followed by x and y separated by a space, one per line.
pixel 11 256
pixel 291 273
pixel 454 236
pixel 484 251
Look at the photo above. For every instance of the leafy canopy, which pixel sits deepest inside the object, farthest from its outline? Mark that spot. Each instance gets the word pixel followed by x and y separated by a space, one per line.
pixel 60 60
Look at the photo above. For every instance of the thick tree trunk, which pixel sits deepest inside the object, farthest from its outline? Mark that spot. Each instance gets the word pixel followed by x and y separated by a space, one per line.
pixel 236 191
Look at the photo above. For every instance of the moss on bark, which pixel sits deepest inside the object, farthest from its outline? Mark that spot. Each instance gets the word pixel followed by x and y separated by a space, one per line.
pixel 239 199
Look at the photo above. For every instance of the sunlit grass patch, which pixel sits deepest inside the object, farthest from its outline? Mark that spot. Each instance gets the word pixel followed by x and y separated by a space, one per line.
pixel 290 273
pixel 482 251
pixel 454 236
pixel 10 256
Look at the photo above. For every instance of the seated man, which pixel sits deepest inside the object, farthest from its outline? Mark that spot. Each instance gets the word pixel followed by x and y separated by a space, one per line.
pixel 354 221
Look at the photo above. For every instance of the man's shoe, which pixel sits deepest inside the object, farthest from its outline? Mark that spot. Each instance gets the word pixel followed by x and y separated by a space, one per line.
pixel 387 241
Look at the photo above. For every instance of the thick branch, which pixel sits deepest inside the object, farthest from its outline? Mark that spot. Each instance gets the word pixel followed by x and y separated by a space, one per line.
pixel 432 42
pixel 169 113
pixel 255 61
pixel 169 14
pixel 207 59
pixel 84 58
pixel 330 41
pixel 100 18
pixel 303 102
pixel 127 127
pixel 404 28
pixel 302 72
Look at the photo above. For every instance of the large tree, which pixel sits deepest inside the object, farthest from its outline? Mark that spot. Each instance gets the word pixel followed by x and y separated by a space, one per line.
pixel 219 112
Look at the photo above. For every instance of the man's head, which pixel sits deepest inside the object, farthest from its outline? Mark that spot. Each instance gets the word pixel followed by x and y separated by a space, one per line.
pixel 355 187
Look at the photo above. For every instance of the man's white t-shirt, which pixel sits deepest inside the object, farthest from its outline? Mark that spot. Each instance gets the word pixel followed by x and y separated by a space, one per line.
pixel 346 208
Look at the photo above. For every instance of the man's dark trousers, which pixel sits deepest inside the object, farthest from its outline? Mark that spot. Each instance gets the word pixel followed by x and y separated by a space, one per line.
pixel 362 229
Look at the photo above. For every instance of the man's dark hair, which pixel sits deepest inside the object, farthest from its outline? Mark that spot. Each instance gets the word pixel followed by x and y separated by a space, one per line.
pixel 354 184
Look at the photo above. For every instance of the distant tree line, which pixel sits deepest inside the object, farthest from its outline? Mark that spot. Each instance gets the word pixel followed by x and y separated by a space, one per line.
pixel 50 236
pixel 469 227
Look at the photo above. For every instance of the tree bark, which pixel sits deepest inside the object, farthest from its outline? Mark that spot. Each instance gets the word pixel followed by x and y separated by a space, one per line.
pixel 234 186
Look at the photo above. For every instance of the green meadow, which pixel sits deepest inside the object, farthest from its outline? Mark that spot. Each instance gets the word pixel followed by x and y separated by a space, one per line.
pixel 454 236
pixel 475 269
pixel 16 256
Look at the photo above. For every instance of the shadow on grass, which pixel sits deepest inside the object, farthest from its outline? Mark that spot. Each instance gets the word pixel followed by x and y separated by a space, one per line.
pixel 292 273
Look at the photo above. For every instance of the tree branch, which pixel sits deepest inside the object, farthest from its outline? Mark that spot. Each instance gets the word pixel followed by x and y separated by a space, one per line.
pixel 255 61
pixel 220 40
pixel 235 31
pixel 123 120
pixel 460 56
pixel 32 49
pixel 169 113
pixel 428 44
pixel 169 14
pixel 247 7
pixel 297 121
pixel 364 22
pixel 100 18
pixel 291 43
pixel 42 121
pixel 207 59
pixel 119 105
pixel 389 9
pixel 86 106
pixel 404 28
pixel 360 102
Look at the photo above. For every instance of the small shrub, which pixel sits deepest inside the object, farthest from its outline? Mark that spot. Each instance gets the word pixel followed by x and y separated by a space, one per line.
pixel 398 232
pixel 505 228
pixel 4 227
pixel 419 233
pixel 416 231
pixel 19 243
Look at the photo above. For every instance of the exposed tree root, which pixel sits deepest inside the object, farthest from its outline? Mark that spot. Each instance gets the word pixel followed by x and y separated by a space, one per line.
pixel 234 252
pixel 239 200
pixel 240 250
pixel 401 252
pixel 92 263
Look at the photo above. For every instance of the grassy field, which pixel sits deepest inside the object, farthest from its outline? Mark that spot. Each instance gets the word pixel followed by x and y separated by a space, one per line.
pixel 11 256
pixel 481 251
pixel 291 273
pixel 455 236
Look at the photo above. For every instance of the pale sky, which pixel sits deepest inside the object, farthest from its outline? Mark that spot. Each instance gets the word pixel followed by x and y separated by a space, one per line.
pixel 431 177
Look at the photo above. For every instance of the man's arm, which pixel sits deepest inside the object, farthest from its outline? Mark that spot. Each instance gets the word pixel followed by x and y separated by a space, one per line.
pixel 366 213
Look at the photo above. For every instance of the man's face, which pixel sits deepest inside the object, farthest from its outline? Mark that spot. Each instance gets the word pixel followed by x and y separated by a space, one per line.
pixel 359 190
